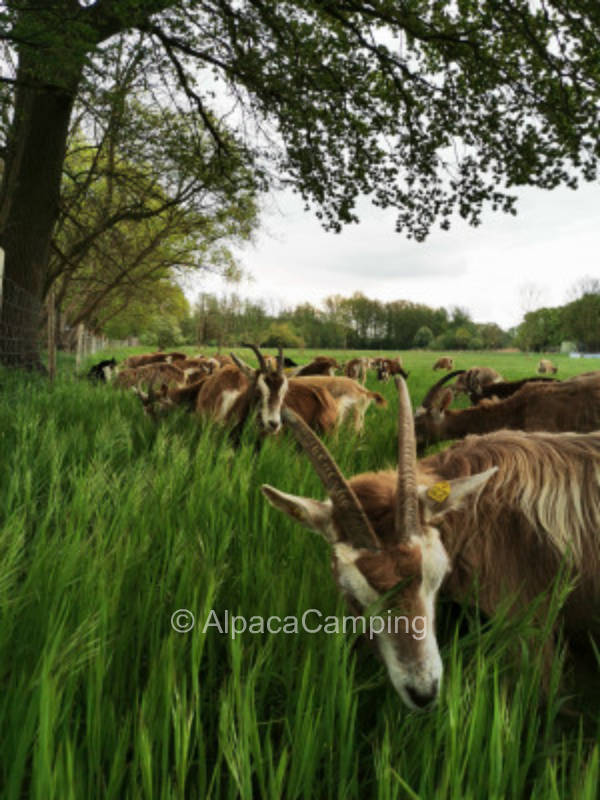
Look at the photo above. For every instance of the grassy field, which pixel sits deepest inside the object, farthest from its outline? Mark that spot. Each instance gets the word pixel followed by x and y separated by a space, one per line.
pixel 110 523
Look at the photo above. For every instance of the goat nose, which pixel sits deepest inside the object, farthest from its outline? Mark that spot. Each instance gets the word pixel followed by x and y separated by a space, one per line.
pixel 423 699
pixel 273 425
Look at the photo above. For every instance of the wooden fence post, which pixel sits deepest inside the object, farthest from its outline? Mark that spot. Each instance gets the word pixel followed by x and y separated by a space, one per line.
pixel 79 350
pixel 51 335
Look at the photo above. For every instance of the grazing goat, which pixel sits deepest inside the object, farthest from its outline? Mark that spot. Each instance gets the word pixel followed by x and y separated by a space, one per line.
pixel 152 358
pixel 321 365
pixel 349 395
pixel 550 406
pixel 502 514
pixel 444 363
pixel 149 374
pixel 472 381
pixel 357 368
pixel 390 366
pixel 314 404
pixel 231 393
pixel 102 372
pixel 545 366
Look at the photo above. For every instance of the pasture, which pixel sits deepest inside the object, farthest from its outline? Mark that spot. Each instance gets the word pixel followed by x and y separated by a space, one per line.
pixel 111 522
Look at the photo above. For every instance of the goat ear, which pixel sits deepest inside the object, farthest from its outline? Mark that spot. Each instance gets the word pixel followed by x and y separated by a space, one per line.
pixel 312 514
pixel 449 495
pixel 242 366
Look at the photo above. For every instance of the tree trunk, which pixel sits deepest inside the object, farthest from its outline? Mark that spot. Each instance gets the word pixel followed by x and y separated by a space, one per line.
pixel 29 203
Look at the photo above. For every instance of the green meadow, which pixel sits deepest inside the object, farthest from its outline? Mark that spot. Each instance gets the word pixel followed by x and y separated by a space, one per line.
pixel 110 522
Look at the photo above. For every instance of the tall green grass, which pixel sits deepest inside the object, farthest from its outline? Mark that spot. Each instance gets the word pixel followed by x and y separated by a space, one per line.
pixel 110 523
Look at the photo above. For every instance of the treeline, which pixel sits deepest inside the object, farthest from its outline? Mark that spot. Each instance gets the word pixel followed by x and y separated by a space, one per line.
pixel 355 322
pixel 577 322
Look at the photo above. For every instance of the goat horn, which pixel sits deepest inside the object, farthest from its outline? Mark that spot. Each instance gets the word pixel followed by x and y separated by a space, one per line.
pixel 427 400
pixel 406 519
pixel 258 354
pixel 280 360
pixel 356 524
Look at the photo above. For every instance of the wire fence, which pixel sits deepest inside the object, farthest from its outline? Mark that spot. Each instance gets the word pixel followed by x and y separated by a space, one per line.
pixel 28 328
pixel 20 314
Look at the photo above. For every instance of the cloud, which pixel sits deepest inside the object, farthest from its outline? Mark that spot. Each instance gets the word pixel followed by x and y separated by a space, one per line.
pixel 553 241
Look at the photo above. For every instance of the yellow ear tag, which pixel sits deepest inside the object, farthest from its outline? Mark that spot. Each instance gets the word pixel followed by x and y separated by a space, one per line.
pixel 439 491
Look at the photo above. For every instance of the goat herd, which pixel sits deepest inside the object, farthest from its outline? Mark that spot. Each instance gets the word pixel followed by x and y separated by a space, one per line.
pixel 507 509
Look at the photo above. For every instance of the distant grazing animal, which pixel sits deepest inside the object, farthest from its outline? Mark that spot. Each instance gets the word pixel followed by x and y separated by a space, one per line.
pixel 357 368
pixel 154 374
pixel 473 380
pixel 143 359
pixel 350 396
pixel 545 366
pixel 321 365
pixel 445 362
pixel 102 372
pixel 500 514
pixel 390 366
pixel 554 406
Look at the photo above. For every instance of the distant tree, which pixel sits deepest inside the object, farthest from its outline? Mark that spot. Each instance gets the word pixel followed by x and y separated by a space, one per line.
pixel 423 337
pixel 281 334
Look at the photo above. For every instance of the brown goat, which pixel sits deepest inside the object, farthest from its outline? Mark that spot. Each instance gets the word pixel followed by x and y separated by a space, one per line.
pixel 545 366
pixel 356 368
pixel 321 365
pixel 150 374
pixel 502 514
pixel 473 380
pixel 390 366
pixel 349 395
pixel 444 363
pixel 554 406
pixel 314 404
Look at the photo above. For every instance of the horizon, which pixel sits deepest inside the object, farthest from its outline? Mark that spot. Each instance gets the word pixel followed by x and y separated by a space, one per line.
pixel 504 268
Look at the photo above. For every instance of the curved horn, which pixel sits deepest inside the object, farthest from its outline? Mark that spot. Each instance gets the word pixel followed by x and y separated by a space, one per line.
pixel 258 354
pixel 406 517
pixel 356 523
pixel 434 389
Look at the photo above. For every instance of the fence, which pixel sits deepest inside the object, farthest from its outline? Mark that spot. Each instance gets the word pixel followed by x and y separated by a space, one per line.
pixel 20 313
pixel 26 328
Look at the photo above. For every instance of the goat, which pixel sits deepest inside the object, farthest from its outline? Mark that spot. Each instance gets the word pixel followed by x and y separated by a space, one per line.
pixel 445 362
pixel 545 366
pixel 132 362
pixel 390 366
pixel 102 372
pixel 472 381
pixel 152 358
pixel 349 395
pixel 232 392
pixel 357 368
pixel 502 513
pixel 321 365
pixel 551 406
pixel 196 368
pixel 314 404
pixel 158 372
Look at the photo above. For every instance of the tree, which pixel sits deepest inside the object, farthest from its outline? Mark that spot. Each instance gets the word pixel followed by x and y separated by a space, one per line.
pixel 483 97
pixel 423 337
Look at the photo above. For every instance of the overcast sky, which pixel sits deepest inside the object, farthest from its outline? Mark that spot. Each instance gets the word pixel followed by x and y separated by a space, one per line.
pixel 552 242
